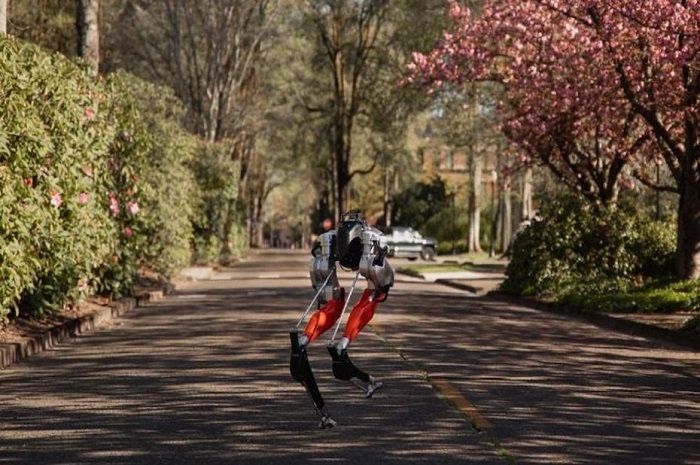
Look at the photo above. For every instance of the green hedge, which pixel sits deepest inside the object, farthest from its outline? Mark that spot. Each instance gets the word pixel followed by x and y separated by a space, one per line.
pixel 54 136
pixel 152 189
pixel 218 233
pixel 578 248
pixel 656 296
pixel 95 181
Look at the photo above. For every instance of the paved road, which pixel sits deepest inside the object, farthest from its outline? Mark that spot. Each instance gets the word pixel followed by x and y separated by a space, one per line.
pixel 203 378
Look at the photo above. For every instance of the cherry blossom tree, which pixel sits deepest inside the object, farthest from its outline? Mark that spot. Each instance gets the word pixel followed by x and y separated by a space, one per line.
pixel 595 89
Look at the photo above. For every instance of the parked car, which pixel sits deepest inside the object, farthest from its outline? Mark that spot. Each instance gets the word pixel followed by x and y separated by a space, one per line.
pixel 409 243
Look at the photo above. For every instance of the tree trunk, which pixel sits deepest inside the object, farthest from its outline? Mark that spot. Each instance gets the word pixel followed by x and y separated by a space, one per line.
pixel 259 239
pixel 387 197
pixel 527 211
pixel 688 261
pixel 474 239
pixel 3 16
pixel 255 214
pixel 89 32
pixel 337 197
pixel 229 213
pixel 506 223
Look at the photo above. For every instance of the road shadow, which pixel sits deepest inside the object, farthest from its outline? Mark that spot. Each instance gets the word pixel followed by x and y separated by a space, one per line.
pixel 203 378
pixel 557 390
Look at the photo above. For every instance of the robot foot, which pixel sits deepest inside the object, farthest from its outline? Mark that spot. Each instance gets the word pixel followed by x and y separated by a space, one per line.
pixel 326 422
pixel 368 388
pixel 344 369
pixel 373 386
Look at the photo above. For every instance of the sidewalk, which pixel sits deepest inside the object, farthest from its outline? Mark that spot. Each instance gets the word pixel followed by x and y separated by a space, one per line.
pixel 668 326
pixel 480 281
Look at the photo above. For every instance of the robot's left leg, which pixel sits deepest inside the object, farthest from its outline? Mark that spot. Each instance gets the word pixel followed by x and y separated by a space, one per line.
pixel 343 368
pixel 361 314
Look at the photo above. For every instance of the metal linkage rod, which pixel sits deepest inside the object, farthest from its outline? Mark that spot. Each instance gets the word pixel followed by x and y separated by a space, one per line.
pixel 318 293
pixel 345 307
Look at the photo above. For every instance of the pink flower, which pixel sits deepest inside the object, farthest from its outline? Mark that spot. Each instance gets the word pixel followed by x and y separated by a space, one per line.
pixel 56 199
pixel 89 113
pixel 113 204
pixel 132 207
pixel 29 182
pixel 128 232
pixel 83 198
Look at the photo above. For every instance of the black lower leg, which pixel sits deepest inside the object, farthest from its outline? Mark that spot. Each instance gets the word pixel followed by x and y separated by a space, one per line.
pixel 300 368
pixel 343 368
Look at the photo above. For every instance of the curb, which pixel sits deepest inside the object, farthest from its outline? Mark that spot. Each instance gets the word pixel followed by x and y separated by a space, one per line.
pixel 196 273
pixel 445 282
pixel 11 353
pixel 411 273
pixel 603 320
pixel 460 286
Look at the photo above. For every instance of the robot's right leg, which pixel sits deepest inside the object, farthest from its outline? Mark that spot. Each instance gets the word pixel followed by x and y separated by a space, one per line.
pixel 300 368
pixel 343 368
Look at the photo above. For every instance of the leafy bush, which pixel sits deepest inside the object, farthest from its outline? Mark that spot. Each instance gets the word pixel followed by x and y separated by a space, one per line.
pixel 53 139
pixel 652 297
pixel 152 188
pixel 95 181
pixel 419 203
pixel 218 233
pixel 450 223
pixel 580 248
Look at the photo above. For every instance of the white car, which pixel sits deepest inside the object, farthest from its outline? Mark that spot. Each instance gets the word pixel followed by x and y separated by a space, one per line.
pixel 408 243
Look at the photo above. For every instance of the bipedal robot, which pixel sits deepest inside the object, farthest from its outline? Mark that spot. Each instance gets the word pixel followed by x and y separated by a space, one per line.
pixel 362 249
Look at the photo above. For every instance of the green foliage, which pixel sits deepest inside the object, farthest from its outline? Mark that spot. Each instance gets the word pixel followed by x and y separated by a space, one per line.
pixel 447 226
pixel 416 205
pixel 53 138
pixel 95 181
pixel 48 23
pixel 580 248
pixel 218 233
pixel 653 297
pixel 152 188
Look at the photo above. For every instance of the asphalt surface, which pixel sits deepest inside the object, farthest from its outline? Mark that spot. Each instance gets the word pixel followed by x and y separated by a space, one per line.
pixel 203 378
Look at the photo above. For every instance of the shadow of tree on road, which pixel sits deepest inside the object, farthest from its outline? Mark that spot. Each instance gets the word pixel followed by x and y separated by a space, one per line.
pixel 557 390
pixel 203 378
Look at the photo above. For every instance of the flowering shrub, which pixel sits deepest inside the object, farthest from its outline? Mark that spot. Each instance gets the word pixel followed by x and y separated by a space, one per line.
pixel 152 188
pixel 53 138
pixel 93 181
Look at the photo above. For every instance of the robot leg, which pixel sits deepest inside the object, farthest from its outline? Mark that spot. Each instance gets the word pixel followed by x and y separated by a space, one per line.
pixel 300 368
pixel 343 368
pixel 324 318
pixel 361 314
